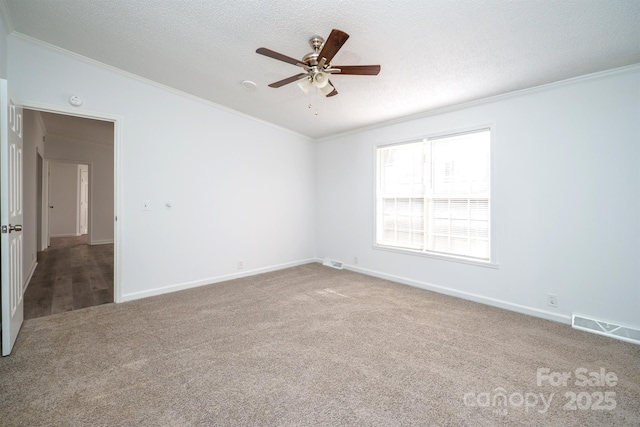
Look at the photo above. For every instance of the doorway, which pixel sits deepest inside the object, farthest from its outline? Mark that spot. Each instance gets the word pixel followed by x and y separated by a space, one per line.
pixel 68 200
pixel 39 181
pixel 75 228
pixel 83 199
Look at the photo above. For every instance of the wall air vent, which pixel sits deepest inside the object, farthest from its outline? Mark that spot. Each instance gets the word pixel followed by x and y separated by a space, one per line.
pixel 332 263
pixel 608 329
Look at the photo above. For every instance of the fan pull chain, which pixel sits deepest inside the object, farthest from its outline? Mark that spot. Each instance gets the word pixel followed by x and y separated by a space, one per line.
pixel 310 104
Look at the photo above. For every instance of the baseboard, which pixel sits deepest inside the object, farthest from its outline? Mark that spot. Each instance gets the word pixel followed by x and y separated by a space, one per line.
pixel 561 318
pixel 210 281
pixel 397 279
pixel 101 242
pixel 64 235
pixel 29 276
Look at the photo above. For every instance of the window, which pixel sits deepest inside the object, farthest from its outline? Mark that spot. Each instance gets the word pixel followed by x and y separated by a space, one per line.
pixel 433 195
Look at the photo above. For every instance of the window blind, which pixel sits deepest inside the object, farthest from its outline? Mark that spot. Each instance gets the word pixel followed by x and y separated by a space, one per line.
pixel 433 195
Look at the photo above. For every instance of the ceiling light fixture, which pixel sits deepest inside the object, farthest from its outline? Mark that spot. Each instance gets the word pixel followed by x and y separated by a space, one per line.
pixel 327 89
pixel 305 84
pixel 249 85
pixel 317 79
pixel 320 79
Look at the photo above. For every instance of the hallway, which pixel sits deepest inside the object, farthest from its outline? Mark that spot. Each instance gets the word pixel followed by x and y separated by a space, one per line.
pixel 70 275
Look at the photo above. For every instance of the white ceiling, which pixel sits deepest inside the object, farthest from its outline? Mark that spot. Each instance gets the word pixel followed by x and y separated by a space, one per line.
pixel 433 54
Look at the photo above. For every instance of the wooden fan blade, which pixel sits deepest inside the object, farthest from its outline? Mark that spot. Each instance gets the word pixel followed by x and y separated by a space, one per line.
pixel 361 70
pixel 288 80
pixel 334 92
pixel 333 44
pixel 275 55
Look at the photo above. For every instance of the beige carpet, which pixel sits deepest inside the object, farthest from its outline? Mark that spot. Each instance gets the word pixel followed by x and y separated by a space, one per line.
pixel 311 346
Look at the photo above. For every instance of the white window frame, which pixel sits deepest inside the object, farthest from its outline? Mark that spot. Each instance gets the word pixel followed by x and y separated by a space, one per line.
pixel 492 262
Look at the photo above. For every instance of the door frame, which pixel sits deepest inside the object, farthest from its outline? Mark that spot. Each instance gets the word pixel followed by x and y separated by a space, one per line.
pixel 117 144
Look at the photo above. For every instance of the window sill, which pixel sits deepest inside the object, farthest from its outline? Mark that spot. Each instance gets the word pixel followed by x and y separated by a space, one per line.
pixel 434 255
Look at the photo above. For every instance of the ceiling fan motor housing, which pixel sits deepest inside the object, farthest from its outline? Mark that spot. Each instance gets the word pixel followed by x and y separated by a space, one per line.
pixel 311 59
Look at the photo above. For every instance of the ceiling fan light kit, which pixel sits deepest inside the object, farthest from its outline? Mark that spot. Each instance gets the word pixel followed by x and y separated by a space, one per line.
pixel 305 84
pixel 317 64
pixel 327 89
pixel 320 79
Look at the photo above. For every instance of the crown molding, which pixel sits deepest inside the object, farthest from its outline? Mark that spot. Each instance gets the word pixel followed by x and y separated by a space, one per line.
pixel 152 83
pixel 491 99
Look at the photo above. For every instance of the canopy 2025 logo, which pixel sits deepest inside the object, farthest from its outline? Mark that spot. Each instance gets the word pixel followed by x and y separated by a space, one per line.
pixel 596 400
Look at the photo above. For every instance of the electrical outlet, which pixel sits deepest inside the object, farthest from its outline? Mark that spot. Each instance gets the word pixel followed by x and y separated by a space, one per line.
pixel 145 205
pixel 355 260
pixel 552 300
pixel 240 265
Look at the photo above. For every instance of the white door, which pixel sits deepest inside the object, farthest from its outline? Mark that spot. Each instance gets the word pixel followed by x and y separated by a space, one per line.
pixel 11 218
pixel 63 199
pixel 46 238
pixel 84 199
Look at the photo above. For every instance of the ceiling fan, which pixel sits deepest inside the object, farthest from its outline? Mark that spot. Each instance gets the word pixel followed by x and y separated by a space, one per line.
pixel 317 64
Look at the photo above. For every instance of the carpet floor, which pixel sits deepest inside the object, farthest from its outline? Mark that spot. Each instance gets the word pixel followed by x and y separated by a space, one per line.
pixel 313 346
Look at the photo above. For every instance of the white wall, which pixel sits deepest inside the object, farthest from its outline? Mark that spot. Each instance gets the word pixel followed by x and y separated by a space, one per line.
pixel 32 139
pixel 567 201
pixel 63 196
pixel 101 180
pixel 3 50
pixel 241 190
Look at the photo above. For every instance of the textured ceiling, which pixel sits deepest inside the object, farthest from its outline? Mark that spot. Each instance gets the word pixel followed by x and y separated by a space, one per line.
pixel 433 53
